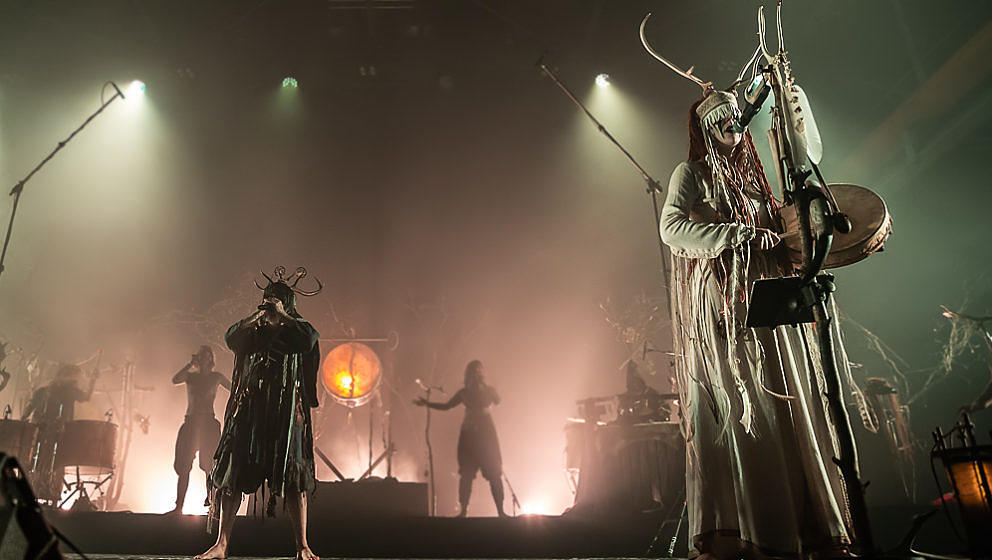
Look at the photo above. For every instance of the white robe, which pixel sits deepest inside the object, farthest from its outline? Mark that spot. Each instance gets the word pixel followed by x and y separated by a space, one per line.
pixel 774 488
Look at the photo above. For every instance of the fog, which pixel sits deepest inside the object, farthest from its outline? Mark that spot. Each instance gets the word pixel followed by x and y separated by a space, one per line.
pixel 448 196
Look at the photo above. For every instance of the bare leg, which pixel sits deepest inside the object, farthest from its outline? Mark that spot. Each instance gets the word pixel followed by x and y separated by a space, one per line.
pixel 229 505
pixel 181 486
pixel 296 502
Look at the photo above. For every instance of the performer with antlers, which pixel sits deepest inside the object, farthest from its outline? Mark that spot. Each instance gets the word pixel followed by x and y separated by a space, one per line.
pixel 200 431
pixel 759 441
pixel 268 435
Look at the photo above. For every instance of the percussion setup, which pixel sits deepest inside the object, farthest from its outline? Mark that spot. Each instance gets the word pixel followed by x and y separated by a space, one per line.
pixel 75 455
pixel 72 462
pixel 625 452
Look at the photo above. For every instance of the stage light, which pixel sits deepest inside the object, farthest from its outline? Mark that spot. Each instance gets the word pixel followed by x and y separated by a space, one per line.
pixel 290 82
pixel 135 89
pixel 603 80
pixel 534 508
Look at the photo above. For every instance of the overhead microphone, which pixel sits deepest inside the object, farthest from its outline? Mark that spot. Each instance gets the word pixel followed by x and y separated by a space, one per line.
pixel 118 90
pixel 754 98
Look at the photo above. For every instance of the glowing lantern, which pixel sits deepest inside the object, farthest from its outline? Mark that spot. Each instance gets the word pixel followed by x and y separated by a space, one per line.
pixel 351 373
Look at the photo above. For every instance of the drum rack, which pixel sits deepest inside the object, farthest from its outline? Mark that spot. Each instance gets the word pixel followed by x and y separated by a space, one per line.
pixel 83 502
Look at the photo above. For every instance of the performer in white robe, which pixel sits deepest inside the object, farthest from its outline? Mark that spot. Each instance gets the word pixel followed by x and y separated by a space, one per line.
pixel 760 480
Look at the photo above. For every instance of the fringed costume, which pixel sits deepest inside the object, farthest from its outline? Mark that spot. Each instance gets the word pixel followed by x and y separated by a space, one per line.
pixel 760 480
pixel 759 442
pixel 268 435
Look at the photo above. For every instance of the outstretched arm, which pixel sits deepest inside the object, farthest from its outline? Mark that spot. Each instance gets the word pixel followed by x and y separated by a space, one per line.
pixel 452 403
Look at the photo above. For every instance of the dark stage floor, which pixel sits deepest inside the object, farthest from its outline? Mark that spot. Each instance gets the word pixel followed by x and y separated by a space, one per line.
pixel 106 536
pixel 132 535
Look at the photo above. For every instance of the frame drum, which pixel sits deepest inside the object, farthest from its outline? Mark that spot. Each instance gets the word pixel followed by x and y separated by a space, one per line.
pixel 17 438
pixel 88 443
pixel 871 226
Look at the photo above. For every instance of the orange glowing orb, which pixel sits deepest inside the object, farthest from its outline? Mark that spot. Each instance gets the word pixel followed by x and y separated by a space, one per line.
pixel 351 373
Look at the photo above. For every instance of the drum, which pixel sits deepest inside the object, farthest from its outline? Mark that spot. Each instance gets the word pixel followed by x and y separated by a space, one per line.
pixel 871 226
pixel 351 373
pixel 88 443
pixel 17 438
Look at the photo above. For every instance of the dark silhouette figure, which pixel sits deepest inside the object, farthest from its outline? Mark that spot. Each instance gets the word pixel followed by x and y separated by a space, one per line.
pixel 478 445
pixel 200 432
pixel 268 435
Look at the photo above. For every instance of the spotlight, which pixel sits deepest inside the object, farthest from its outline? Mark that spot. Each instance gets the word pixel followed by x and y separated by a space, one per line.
pixel 290 82
pixel 603 80
pixel 135 88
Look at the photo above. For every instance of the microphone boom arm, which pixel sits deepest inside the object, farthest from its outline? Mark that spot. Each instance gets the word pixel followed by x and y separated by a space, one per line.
pixel 19 187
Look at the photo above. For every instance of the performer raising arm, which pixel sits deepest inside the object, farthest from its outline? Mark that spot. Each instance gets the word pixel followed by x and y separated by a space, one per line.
pixel 478 445
pixel 200 431
pixel 759 476
pixel 268 436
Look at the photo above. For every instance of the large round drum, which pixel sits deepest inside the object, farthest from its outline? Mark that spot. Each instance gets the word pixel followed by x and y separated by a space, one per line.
pixel 17 438
pixel 351 373
pixel 871 226
pixel 88 443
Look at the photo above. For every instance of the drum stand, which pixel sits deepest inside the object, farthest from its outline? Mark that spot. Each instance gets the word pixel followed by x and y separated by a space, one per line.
pixel 83 502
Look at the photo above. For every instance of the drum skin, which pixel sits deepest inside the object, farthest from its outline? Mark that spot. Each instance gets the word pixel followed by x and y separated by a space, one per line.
pixel 88 443
pixel 871 226
pixel 17 438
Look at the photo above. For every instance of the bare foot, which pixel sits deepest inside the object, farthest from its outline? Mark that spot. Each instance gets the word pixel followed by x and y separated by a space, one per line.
pixel 216 552
pixel 306 554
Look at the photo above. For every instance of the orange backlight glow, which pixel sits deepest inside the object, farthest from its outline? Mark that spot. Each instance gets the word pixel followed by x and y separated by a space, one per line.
pixel 351 373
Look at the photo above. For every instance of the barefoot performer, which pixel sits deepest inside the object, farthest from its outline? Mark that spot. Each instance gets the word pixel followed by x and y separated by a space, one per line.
pixel 268 436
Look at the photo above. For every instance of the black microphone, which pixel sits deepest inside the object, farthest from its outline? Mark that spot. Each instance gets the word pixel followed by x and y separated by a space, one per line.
pixel 754 98
pixel 118 90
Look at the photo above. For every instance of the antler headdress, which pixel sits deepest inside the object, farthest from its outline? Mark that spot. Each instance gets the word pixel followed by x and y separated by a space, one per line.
pixel 725 100
pixel 285 288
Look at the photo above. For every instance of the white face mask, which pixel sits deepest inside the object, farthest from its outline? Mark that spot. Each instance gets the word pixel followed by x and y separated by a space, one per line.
pixel 723 133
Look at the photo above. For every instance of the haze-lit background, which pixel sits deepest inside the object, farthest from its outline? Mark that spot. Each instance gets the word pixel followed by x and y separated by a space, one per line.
pixel 444 190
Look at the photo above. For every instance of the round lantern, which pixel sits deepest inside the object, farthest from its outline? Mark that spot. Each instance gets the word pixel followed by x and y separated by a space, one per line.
pixel 351 373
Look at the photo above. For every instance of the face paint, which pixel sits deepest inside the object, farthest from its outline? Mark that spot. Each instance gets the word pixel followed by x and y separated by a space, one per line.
pixel 723 132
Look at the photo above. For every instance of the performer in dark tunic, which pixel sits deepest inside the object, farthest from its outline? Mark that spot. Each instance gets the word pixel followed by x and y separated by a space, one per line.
pixel 478 445
pixel 56 401
pixel 268 437
pixel 200 431
pixel 51 407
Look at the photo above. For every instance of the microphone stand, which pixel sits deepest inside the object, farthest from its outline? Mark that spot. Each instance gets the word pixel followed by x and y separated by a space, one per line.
pixel 653 187
pixel 19 187
pixel 797 297
pixel 432 506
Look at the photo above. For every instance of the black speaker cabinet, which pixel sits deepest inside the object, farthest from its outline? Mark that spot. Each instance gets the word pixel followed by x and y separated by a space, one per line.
pixel 24 533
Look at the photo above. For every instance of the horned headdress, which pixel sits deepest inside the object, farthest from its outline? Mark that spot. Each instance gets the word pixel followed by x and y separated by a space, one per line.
pixel 285 289
pixel 716 106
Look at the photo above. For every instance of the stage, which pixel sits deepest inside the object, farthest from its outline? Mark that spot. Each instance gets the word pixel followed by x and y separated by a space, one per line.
pixel 130 535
